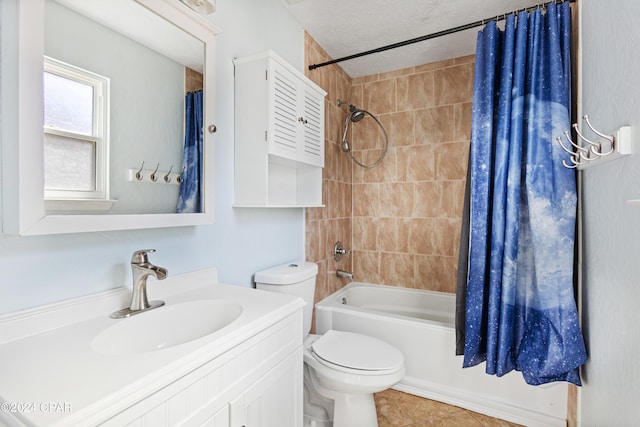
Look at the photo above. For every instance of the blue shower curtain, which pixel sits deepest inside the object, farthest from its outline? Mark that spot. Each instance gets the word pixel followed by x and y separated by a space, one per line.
pixel 520 306
pixel 190 199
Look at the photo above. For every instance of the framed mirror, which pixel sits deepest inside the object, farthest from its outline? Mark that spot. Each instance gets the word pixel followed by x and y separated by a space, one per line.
pixel 145 50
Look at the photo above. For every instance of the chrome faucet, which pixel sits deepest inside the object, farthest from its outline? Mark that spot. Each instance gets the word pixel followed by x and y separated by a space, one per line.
pixel 141 269
pixel 338 252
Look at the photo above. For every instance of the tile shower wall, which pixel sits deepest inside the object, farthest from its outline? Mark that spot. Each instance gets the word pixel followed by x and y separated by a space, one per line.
pixel 407 211
pixel 325 226
pixel 402 218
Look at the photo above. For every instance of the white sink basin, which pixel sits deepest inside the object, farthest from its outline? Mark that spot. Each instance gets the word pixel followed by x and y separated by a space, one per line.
pixel 166 326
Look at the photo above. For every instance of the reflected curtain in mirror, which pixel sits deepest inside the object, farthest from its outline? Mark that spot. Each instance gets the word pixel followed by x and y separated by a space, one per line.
pixel 190 198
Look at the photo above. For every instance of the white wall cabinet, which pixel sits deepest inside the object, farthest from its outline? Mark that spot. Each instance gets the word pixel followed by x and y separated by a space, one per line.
pixel 279 134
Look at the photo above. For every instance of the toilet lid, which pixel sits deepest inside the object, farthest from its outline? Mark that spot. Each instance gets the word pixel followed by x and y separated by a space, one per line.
pixel 357 351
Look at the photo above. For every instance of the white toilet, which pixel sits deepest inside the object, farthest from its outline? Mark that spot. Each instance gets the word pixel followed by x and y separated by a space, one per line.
pixel 342 369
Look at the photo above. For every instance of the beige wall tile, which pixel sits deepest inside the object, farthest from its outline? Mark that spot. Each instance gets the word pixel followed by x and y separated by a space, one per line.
pixel 366 135
pixel 385 171
pixel 436 273
pixel 380 96
pixel 435 65
pixel 396 73
pixel 330 159
pixel 434 125
pixel 451 160
pixel 366 199
pixel 397 269
pixel 396 199
pixel 333 122
pixel 454 84
pixel 416 163
pixel 464 59
pixel 453 198
pixel 365 231
pixel 401 219
pixel 462 121
pixel 312 240
pixel 415 91
pixel 428 200
pixel 387 237
pixel 357 96
pixel 365 266
pixel 400 128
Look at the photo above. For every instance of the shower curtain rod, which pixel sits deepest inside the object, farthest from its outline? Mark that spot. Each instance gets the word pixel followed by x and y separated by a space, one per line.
pixel 433 36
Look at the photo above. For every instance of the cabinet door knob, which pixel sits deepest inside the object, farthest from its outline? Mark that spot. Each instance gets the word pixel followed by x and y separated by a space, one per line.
pixel 302 120
pixel 212 128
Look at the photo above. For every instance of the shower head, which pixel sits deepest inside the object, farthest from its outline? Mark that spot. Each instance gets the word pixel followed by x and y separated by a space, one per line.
pixel 355 114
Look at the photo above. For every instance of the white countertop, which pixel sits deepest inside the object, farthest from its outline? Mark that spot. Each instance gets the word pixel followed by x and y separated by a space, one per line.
pixel 49 374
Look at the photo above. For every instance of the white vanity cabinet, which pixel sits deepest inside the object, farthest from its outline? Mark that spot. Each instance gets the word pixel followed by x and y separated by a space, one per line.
pixel 256 384
pixel 279 134
pixel 247 373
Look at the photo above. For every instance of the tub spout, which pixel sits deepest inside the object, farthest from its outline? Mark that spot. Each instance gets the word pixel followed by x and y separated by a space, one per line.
pixel 344 274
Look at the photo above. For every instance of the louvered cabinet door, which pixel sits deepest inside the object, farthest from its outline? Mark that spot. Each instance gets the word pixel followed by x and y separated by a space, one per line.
pixel 297 119
pixel 313 146
pixel 286 128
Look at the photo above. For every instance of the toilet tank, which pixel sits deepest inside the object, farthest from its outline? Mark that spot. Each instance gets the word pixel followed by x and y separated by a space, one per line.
pixel 297 279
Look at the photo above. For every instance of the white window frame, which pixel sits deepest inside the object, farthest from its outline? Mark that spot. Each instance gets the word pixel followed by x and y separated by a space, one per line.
pixel 64 199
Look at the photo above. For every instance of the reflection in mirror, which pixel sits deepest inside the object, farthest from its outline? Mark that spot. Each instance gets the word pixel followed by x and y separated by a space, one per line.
pixel 150 66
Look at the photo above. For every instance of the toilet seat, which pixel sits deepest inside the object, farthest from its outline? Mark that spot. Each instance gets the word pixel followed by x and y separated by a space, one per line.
pixel 356 353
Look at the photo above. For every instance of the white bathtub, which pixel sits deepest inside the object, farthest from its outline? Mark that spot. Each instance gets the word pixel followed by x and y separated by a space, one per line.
pixel 421 325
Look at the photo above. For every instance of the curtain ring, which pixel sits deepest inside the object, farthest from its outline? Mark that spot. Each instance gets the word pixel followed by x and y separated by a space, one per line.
pixel 139 173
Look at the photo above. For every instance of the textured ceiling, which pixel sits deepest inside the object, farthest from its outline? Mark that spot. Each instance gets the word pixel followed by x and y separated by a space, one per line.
pixel 345 27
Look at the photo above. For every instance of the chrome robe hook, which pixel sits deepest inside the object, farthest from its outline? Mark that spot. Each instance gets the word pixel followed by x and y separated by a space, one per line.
pixel 139 173
pixel 583 154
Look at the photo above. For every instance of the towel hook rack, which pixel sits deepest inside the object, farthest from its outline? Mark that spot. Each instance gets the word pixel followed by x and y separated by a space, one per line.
pixel 608 147
pixel 152 176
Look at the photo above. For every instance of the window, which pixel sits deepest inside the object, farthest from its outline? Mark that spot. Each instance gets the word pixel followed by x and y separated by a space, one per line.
pixel 76 133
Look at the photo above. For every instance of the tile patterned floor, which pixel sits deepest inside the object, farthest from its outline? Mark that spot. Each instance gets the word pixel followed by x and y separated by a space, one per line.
pixel 397 409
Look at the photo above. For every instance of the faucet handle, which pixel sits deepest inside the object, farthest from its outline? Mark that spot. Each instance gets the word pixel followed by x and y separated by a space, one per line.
pixel 140 257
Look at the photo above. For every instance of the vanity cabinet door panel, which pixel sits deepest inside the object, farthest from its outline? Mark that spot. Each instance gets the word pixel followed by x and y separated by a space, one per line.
pixel 270 363
pixel 220 419
pixel 275 399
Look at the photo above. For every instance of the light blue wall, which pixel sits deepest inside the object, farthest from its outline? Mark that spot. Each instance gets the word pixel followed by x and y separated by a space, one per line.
pixel 39 270
pixel 611 290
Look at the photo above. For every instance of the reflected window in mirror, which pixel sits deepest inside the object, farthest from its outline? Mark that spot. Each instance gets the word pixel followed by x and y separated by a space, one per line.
pixel 143 46
pixel 76 133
